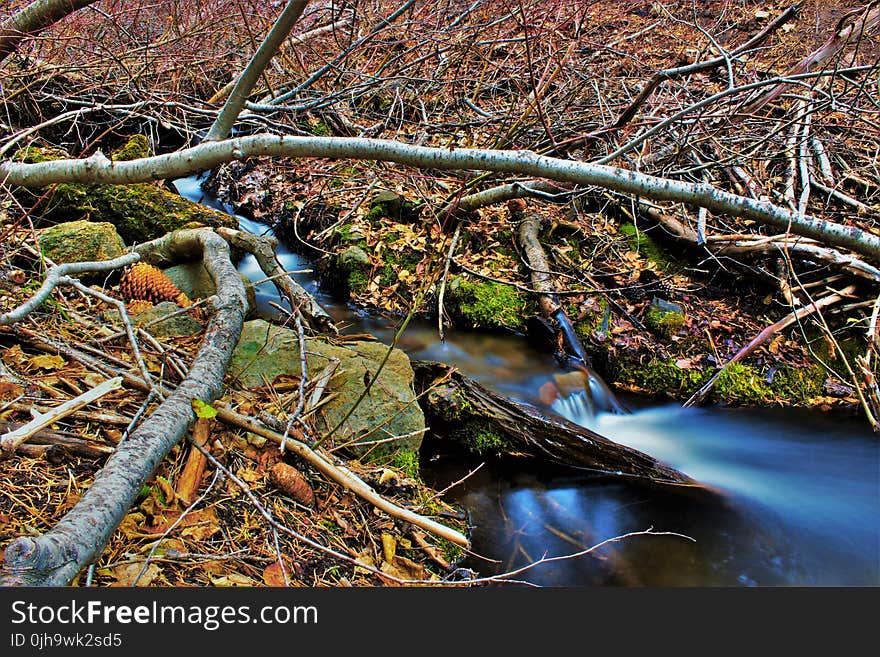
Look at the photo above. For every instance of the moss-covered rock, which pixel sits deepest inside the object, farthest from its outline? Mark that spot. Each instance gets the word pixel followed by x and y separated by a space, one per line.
pixel 354 265
pixel 487 304
pixel 80 241
pixel 135 148
pixel 140 211
pixel 266 352
pixel 664 318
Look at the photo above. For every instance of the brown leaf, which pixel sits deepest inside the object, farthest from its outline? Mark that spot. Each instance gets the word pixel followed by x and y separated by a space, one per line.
pixel 233 579
pixel 273 575
pixel 127 573
pixel 9 390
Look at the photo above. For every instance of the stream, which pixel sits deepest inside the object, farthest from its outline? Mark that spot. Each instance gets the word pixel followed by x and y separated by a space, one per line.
pixel 794 495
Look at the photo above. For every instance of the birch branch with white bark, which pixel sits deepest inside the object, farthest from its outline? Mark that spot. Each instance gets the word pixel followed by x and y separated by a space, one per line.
pixel 185 162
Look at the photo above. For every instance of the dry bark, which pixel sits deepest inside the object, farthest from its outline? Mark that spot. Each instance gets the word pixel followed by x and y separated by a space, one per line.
pixel 34 18
pixel 99 169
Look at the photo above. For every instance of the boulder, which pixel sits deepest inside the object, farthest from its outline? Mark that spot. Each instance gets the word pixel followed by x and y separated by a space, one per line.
pixel 265 352
pixel 179 325
pixel 80 241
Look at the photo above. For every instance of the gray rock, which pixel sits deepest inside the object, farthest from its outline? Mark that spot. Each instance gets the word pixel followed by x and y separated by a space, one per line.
pixel 193 279
pixel 182 325
pixel 265 352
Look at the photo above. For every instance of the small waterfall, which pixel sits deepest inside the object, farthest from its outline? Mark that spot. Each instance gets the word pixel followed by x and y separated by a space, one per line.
pixel 577 407
pixel 580 396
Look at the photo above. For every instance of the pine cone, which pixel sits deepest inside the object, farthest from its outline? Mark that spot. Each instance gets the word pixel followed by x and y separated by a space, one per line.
pixel 148 283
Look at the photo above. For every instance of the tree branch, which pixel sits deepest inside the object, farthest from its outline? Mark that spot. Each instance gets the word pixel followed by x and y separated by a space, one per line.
pixel 99 169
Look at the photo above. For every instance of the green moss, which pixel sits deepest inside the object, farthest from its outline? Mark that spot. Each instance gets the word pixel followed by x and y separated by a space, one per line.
pixel 407 461
pixel 140 212
pixel 319 129
pixel 450 551
pixel 664 322
pixel 388 204
pixel 642 244
pixel 358 281
pixel 658 376
pixel 395 261
pixel 487 304
pixel 390 237
pixel 137 147
pixel 739 383
pixel 348 234
pixel 482 437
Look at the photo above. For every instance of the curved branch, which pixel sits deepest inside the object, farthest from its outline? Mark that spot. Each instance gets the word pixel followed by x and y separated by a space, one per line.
pixel 34 18
pixel 99 169
pixel 246 81
pixel 56 557
pixel 55 275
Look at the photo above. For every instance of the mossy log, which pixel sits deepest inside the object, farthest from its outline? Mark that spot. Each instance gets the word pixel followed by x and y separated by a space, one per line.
pixel 460 408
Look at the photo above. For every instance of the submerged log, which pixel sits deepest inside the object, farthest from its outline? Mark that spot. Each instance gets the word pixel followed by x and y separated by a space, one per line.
pixel 460 408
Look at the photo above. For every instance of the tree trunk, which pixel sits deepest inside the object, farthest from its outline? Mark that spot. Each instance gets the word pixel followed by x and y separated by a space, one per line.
pixel 99 169
pixel 34 18
pixel 261 58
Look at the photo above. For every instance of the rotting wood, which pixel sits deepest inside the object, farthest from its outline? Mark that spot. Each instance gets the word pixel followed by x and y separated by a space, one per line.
pixel 457 404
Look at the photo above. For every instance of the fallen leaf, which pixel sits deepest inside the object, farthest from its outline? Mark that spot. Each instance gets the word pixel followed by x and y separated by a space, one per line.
pixel 273 575
pixel 389 545
pixel 233 579
pixel 249 475
pixel 387 475
pixel 203 409
pixel 47 362
pixel 9 390
pixel 127 573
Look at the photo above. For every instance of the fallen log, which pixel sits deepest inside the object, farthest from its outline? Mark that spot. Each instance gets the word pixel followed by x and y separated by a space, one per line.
pixel 56 557
pixel 548 301
pixel 458 407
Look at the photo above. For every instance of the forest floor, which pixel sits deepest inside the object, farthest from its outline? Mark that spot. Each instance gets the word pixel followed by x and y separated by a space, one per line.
pixel 425 83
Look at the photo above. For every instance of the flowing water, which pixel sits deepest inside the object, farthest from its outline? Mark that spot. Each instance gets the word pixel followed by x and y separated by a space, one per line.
pixel 793 496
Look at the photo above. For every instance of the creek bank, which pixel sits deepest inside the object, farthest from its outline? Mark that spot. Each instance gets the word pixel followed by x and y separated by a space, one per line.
pixel 651 323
